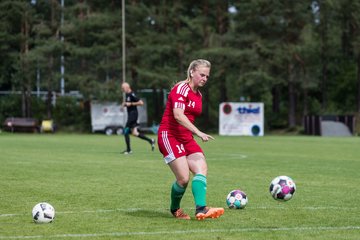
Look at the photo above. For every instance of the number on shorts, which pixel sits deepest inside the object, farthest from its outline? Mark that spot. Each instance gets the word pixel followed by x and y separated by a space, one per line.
pixel 180 148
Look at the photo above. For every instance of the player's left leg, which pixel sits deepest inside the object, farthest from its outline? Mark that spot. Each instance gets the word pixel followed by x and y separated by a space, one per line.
pixel 198 166
pixel 127 140
pixel 136 133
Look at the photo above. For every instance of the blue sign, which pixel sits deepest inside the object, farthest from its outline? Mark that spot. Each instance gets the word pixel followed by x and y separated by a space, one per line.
pixel 245 110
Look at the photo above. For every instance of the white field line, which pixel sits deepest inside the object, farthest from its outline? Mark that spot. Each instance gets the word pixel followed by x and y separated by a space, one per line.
pixel 183 232
pixel 311 208
pixel 228 155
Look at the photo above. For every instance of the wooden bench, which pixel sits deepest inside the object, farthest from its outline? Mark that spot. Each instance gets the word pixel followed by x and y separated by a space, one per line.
pixel 16 124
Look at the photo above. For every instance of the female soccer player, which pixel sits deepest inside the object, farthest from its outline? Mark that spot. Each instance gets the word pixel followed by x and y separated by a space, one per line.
pixel 176 142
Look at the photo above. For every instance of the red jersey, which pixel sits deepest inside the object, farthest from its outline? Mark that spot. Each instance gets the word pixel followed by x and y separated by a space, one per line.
pixel 181 96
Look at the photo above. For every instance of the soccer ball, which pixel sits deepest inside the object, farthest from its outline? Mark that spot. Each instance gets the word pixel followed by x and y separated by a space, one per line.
pixel 43 213
pixel 236 199
pixel 282 188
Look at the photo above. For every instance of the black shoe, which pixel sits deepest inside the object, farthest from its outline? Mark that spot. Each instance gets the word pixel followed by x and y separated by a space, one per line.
pixel 152 144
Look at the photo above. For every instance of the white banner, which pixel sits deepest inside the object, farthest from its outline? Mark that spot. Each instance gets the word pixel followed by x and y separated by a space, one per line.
pixel 241 119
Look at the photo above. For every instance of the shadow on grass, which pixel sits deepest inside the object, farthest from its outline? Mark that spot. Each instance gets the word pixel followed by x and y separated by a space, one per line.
pixel 149 213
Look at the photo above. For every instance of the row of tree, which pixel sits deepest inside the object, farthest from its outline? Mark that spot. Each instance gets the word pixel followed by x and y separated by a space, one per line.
pixel 298 57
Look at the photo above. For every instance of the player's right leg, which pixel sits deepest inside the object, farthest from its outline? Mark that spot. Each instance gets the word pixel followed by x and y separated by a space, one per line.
pixel 177 162
pixel 181 171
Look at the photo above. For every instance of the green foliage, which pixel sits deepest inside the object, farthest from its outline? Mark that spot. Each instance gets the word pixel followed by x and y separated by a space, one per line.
pixel 10 107
pixel 100 194
pixel 344 84
pixel 297 57
pixel 72 115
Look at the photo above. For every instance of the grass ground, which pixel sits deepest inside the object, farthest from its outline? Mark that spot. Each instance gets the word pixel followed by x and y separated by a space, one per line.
pixel 100 194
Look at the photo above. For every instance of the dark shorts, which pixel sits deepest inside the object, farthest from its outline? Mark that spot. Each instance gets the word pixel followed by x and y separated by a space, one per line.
pixel 132 120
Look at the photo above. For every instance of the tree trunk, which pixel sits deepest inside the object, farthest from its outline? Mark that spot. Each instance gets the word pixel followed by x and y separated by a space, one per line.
pixel 291 92
pixel 222 87
pixel 206 41
pixel 305 96
pixel 358 83
pixel 323 57
pixel 26 104
pixel 49 87
pixel 323 87
pixel 221 20
pixel 275 99
pixel 23 102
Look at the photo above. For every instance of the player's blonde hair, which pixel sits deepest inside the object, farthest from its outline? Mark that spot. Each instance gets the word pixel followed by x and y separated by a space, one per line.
pixel 194 64
pixel 192 67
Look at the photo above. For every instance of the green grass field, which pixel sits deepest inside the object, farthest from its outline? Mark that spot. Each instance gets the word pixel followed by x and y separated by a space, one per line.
pixel 100 194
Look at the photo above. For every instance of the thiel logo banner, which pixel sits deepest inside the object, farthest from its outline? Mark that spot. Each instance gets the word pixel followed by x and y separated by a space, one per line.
pixel 241 119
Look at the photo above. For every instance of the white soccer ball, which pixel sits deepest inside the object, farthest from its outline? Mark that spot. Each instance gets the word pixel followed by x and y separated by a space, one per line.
pixel 236 199
pixel 43 213
pixel 282 188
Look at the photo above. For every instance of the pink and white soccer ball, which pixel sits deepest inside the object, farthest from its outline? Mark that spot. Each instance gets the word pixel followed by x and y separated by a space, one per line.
pixel 282 188
pixel 237 199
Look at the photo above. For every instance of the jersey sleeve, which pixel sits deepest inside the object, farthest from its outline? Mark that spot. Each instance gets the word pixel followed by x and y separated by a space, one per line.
pixel 178 95
pixel 133 97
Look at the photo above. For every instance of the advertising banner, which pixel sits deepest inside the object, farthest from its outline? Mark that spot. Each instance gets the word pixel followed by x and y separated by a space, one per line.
pixel 241 119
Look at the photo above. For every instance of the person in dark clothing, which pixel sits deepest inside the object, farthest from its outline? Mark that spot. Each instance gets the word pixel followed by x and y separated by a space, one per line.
pixel 131 103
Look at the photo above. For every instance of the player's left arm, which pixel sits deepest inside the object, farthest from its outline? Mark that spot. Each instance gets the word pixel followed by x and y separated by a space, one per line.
pixel 182 119
pixel 134 101
pixel 137 103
